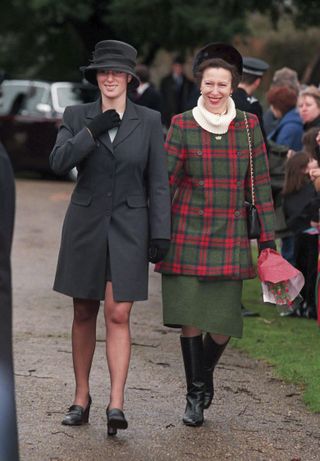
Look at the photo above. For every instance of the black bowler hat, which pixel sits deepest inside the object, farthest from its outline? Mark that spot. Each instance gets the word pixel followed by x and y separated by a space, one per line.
pixel 218 50
pixel 254 66
pixel 112 55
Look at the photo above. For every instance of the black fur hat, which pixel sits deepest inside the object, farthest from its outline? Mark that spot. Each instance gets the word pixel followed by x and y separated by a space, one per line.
pixel 218 50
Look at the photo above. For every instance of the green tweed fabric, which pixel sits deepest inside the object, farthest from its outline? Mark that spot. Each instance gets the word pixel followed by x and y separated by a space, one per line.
pixel 210 183
pixel 213 306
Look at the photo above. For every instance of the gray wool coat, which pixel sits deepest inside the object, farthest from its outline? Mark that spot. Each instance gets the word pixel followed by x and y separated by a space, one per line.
pixel 121 201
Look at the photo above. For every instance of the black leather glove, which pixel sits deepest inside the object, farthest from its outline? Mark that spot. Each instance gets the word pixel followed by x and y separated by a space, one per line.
pixel 158 248
pixel 268 244
pixel 104 122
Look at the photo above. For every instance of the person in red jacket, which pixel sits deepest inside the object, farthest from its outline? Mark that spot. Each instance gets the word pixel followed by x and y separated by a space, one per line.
pixel 209 255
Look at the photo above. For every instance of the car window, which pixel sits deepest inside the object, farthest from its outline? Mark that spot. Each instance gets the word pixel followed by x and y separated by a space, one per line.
pixel 68 94
pixel 23 97
pixel 35 96
pixel 9 96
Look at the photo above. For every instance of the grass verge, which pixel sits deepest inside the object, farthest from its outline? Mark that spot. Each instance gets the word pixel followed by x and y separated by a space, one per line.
pixel 290 344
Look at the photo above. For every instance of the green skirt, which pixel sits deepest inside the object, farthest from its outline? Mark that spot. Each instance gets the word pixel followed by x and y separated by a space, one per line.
pixel 211 305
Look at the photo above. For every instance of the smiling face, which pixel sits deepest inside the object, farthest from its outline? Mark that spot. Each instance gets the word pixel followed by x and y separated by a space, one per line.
pixel 113 84
pixel 216 88
pixel 308 108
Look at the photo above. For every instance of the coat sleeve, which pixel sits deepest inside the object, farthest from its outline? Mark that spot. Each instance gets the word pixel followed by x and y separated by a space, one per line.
pixel 70 147
pixel 263 195
pixel 158 184
pixel 175 154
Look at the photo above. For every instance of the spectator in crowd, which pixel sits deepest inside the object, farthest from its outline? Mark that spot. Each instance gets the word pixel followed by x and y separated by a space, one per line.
pixel 288 132
pixel 146 94
pixel 310 143
pixel 282 77
pixel 176 91
pixel 244 95
pixel 8 422
pixel 301 204
pixel 289 129
pixel 309 107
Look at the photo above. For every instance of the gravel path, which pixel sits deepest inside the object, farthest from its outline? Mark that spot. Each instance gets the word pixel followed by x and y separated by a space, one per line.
pixel 255 417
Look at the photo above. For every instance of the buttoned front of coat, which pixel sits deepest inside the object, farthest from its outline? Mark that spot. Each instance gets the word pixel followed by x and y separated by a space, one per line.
pixel 120 202
pixel 210 182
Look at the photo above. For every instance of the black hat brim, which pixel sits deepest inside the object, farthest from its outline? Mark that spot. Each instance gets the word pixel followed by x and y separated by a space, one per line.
pixel 218 50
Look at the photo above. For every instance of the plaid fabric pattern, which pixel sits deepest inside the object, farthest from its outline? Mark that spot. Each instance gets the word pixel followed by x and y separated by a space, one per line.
pixel 210 181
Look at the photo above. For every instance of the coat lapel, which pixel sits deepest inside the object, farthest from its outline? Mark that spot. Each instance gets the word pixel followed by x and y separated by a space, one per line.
pixel 129 123
pixel 94 110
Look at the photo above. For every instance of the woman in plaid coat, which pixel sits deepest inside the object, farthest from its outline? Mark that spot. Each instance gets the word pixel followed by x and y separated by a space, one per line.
pixel 209 256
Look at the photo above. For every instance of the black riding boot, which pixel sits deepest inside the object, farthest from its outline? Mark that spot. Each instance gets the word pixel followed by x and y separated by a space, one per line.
pixel 192 352
pixel 211 355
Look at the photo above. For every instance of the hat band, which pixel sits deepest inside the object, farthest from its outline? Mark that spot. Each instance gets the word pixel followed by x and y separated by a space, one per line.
pixel 247 70
pixel 112 59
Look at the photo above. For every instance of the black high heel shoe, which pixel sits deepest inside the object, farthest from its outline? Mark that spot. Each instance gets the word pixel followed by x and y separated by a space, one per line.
pixel 77 415
pixel 116 420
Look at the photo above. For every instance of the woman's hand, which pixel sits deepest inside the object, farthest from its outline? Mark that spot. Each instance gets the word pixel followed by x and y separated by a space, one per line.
pixel 314 173
pixel 158 249
pixel 104 122
pixel 267 244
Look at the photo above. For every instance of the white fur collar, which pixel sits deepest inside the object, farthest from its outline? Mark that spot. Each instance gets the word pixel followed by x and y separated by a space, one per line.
pixel 217 124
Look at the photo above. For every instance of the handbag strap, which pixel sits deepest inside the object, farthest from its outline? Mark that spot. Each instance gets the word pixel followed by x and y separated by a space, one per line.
pixel 253 195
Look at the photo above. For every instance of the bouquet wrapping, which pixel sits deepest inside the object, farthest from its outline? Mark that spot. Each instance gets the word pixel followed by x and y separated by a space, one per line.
pixel 281 282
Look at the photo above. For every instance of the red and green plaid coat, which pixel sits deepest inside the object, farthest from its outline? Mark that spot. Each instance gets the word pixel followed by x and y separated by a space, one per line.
pixel 210 181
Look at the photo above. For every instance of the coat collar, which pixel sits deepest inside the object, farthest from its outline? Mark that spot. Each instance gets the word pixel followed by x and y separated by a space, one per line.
pixel 129 123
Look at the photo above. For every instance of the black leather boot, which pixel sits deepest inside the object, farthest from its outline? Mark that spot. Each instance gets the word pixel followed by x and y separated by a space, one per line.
pixel 211 355
pixel 192 352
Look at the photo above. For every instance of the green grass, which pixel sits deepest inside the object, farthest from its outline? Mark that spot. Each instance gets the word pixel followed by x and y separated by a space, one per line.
pixel 290 344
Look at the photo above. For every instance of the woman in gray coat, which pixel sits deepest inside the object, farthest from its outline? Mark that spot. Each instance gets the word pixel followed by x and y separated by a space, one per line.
pixel 118 219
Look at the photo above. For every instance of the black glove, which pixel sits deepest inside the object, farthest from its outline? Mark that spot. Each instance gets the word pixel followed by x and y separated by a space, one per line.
pixel 158 248
pixel 104 122
pixel 268 244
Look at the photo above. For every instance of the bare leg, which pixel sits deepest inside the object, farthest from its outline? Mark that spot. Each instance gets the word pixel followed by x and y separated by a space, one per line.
pixel 189 332
pixel 83 345
pixel 118 345
pixel 220 339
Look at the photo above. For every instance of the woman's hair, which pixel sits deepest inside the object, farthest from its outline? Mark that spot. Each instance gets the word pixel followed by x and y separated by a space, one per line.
pixel 286 77
pixel 295 172
pixel 312 91
pixel 310 145
pixel 217 63
pixel 282 98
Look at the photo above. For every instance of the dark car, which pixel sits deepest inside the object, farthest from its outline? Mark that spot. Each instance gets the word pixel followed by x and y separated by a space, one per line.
pixel 30 114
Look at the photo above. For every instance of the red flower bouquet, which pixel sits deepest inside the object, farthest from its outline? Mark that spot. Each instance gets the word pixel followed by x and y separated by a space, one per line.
pixel 281 282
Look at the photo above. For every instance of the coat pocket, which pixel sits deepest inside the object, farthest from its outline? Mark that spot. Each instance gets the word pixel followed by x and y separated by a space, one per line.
pixel 81 198
pixel 136 201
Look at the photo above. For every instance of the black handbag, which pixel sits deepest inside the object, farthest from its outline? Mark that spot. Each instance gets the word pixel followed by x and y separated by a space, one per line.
pixel 253 221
